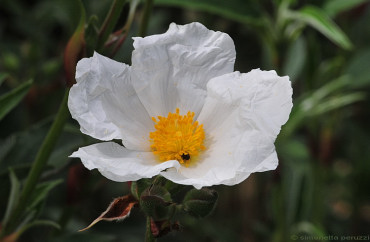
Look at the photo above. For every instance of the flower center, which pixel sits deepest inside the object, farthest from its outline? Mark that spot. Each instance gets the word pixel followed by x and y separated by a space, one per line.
pixel 177 137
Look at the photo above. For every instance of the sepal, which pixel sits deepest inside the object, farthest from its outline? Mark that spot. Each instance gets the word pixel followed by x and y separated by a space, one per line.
pixel 119 209
pixel 156 202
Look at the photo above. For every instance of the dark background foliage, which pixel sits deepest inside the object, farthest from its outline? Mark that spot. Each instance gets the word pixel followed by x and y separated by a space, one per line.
pixel 321 185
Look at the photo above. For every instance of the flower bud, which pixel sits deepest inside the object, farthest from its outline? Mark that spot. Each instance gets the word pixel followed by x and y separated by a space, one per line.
pixel 200 203
pixel 156 203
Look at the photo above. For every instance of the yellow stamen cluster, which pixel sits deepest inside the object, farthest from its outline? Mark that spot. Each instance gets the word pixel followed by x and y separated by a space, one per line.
pixel 177 137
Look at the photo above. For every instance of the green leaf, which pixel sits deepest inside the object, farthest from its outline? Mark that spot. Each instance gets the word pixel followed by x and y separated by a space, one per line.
pixel 36 223
pixel 6 146
pixel 11 99
pixel 237 10
pixel 91 35
pixel 13 196
pixel 297 172
pixel 320 21
pixel 338 102
pixel 3 77
pixel 41 192
pixel 319 102
pixel 295 59
pixel 334 7
pixel 358 68
pixel 309 229
pixel 137 187
pixel 110 22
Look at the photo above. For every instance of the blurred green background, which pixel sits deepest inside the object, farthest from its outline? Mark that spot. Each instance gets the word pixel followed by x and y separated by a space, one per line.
pixel 321 187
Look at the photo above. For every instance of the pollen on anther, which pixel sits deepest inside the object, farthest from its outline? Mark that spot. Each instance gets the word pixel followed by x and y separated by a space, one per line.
pixel 177 137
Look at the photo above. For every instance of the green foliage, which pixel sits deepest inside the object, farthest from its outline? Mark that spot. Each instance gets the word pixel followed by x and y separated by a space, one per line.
pixel 13 196
pixel 335 7
pixel 320 187
pixel 358 69
pixel 237 10
pixel 295 59
pixel 319 20
pixel 41 192
pixel 3 76
pixel 11 99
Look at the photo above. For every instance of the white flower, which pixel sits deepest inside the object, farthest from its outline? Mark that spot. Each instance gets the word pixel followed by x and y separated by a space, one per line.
pixel 216 126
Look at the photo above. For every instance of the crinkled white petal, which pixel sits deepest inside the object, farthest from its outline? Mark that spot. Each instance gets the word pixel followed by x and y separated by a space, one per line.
pixel 172 69
pixel 120 164
pixel 105 103
pixel 242 116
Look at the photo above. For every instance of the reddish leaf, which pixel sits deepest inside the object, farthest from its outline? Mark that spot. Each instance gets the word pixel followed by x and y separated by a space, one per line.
pixel 161 228
pixel 119 209
pixel 75 48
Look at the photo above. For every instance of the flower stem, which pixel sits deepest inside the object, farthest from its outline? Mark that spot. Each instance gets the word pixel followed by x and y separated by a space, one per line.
pixel 39 164
pixel 110 22
pixel 148 234
pixel 145 18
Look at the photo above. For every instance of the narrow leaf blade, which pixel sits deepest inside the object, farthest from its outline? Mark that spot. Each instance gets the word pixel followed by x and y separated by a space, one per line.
pixel 334 7
pixel 3 76
pixel 320 21
pixel 13 196
pixel 41 191
pixel 237 10
pixel 11 99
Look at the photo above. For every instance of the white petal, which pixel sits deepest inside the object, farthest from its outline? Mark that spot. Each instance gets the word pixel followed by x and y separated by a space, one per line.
pixel 242 116
pixel 120 164
pixel 173 68
pixel 105 103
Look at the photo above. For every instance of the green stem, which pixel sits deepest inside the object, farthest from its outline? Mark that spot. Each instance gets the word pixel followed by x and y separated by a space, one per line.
pixel 145 18
pixel 39 164
pixel 126 28
pixel 148 234
pixel 110 22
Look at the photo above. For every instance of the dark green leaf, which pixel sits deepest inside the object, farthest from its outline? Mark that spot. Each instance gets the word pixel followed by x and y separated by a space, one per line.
pixel 110 22
pixel 6 146
pixel 320 21
pixel 309 229
pixel 295 59
pixel 11 99
pixel 321 101
pixel 47 223
pixel 137 187
pixel 358 69
pixel 3 77
pixel 13 196
pixel 338 102
pixel 238 10
pixel 334 7
pixel 41 192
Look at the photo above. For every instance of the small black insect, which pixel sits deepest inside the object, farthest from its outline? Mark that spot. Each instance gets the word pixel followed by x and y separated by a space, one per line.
pixel 185 156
